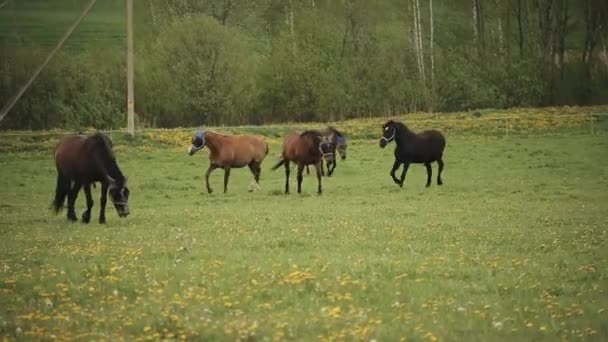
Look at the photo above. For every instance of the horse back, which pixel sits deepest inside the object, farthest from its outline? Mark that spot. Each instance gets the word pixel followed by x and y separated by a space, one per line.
pixel 240 150
pixel 299 149
pixel 80 157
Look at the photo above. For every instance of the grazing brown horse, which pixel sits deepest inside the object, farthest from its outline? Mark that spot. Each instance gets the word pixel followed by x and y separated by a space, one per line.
pixel 231 151
pixel 308 148
pixel 421 148
pixel 81 161
pixel 338 141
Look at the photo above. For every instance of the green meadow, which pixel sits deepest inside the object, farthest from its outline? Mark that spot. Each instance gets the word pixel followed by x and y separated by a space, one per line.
pixel 513 246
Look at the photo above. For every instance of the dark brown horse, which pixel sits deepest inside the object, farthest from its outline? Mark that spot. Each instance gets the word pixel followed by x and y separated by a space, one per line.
pixel 422 148
pixel 231 151
pixel 308 148
pixel 81 161
pixel 338 141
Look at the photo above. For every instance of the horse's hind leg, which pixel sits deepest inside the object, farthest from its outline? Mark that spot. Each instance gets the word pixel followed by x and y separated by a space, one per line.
pixel 72 200
pixel 255 170
pixel 300 177
pixel 287 176
pixel 226 177
pixel 440 163
pixel 86 216
pixel 429 174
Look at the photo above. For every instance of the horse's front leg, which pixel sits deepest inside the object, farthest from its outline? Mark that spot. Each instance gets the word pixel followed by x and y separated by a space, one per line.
pixel 394 169
pixel 300 177
pixel 102 202
pixel 319 167
pixel 86 216
pixel 331 166
pixel 226 177
pixel 72 195
pixel 406 165
pixel 209 170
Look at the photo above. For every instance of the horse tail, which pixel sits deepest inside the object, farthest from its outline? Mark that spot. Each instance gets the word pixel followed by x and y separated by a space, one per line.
pixel 61 191
pixel 267 149
pixel 281 162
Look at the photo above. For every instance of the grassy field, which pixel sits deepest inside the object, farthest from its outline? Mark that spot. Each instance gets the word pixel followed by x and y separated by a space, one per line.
pixel 512 247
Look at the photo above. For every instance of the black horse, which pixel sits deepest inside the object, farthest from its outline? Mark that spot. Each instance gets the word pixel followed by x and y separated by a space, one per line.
pixel 81 161
pixel 422 148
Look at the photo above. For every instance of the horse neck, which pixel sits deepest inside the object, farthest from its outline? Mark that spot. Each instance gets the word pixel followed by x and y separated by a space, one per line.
pixel 107 160
pixel 113 170
pixel 404 135
pixel 212 141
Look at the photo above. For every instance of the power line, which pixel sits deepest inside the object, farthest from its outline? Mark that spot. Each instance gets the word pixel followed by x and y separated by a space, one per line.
pixel 11 103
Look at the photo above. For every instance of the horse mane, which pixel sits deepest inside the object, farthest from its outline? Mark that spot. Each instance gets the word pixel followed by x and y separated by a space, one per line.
pixel 104 143
pixel 310 132
pixel 105 155
pixel 400 126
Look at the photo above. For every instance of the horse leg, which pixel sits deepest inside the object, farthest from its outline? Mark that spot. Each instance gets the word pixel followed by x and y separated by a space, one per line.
pixel 300 177
pixel 333 165
pixel 307 170
pixel 393 170
pixel 429 174
pixel 440 163
pixel 209 170
pixel 319 168
pixel 72 200
pixel 102 202
pixel 255 170
pixel 86 216
pixel 406 165
pixel 287 176
pixel 226 177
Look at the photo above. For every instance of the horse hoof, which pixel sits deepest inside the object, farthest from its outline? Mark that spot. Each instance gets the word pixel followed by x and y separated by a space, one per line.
pixel 439 183
pixel 86 218
pixel 102 221
pixel 209 191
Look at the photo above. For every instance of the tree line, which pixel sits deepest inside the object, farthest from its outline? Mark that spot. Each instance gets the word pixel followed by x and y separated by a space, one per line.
pixel 228 62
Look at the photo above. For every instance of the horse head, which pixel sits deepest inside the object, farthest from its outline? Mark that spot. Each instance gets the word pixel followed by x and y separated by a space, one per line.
pixel 198 142
pixel 389 131
pixel 341 146
pixel 119 195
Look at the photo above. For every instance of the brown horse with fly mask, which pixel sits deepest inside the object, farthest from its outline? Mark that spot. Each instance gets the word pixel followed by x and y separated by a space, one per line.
pixel 231 151
pixel 81 161
pixel 307 148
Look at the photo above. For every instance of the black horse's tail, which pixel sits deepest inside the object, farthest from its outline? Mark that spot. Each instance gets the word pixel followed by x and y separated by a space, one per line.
pixel 281 162
pixel 61 191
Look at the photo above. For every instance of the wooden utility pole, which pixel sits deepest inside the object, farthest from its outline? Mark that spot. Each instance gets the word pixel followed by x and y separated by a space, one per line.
pixel 130 95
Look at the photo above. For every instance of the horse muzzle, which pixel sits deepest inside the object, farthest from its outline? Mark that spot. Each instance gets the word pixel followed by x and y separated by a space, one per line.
pixel 383 142
pixel 193 149
pixel 122 210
